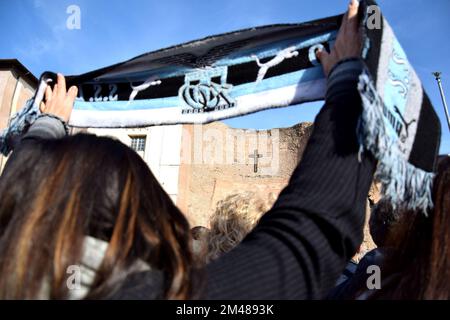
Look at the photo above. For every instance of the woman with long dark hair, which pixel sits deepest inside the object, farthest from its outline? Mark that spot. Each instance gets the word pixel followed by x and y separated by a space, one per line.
pixel 413 253
pixel 61 197
pixel 419 266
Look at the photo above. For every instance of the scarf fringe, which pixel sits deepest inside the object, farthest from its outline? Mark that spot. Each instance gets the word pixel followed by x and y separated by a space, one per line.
pixel 18 124
pixel 22 119
pixel 403 185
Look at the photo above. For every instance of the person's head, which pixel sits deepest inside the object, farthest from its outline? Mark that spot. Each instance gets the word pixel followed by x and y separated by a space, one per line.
pixel 200 239
pixel 57 193
pixel 233 219
pixel 422 258
pixel 382 219
pixel 199 233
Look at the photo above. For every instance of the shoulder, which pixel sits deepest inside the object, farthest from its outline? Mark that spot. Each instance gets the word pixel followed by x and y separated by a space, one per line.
pixel 147 285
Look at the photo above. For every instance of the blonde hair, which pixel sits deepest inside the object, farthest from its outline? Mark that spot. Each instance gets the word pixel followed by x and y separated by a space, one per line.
pixel 233 219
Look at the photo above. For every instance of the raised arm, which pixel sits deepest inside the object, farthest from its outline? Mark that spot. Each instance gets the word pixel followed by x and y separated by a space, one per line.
pixel 52 123
pixel 303 243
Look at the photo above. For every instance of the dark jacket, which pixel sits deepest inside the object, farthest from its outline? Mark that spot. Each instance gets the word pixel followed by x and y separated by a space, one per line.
pixel 355 286
pixel 301 246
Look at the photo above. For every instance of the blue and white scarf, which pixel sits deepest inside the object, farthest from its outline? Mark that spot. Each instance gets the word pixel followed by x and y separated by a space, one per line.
pixel 398 123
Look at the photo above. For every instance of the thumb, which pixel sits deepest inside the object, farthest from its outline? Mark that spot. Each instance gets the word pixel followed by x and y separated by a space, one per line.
pixel 42 107
pixel 322 56
pixel 325 59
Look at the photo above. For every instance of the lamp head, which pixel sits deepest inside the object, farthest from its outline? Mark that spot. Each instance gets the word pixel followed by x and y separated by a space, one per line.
pixel 437 75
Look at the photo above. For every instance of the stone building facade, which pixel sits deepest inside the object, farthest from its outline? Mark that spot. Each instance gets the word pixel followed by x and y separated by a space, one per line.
pixel 199 165
pixel 218 161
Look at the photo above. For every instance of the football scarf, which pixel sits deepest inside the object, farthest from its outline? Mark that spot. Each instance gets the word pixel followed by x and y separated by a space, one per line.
pixel 398 123
pixel 207 80
pixel 246 71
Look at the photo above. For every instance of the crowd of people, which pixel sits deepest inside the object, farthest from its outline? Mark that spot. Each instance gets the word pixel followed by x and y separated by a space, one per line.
pixel 88 201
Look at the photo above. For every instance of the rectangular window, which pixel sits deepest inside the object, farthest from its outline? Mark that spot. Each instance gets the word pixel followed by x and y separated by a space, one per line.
pixel 138 143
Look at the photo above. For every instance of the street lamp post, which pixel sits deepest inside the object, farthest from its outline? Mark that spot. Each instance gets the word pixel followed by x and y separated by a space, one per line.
pixel 437 75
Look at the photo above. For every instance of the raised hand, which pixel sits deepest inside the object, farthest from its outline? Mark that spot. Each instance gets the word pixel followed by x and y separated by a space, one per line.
pixel 58 101
pixel 348 42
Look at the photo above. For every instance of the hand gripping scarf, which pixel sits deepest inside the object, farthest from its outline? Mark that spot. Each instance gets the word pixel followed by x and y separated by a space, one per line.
pixel 246 71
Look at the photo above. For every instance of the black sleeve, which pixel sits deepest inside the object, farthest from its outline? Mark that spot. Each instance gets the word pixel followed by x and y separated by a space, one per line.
pixel 301 246
pixel 46 127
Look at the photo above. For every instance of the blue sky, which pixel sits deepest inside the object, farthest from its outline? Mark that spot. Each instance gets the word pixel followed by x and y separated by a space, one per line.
pixel 34 31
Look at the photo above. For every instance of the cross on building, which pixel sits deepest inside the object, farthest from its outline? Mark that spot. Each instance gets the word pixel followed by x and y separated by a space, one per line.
pixel 255 156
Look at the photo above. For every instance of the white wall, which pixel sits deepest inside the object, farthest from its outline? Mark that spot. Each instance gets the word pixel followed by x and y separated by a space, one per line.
pixel 162 151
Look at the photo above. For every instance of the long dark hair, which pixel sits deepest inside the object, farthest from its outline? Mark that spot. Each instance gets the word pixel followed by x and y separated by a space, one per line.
pixel 420 267
pixel 55 192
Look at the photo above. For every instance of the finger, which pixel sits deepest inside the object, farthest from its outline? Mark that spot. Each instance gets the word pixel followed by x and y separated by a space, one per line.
pixel 72 93
pixel 61 84
pixel 343 26
pixel 349 21
pixel 353 9
pixel 48 93
pixel 322 55
pixel 42 107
